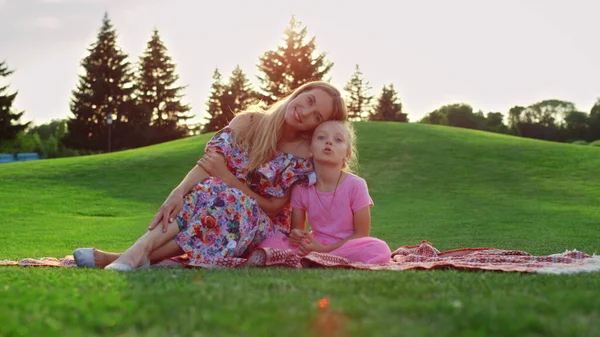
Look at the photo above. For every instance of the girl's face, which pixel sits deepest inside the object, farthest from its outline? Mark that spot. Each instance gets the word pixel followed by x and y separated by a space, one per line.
pixel 330 143
pixel 309 109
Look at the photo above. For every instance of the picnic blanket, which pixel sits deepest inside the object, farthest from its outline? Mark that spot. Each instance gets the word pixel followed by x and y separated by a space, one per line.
pixel 422 256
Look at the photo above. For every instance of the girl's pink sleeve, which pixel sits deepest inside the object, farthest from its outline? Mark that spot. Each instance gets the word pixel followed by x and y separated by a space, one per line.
pixel 360 196
pixel 298 197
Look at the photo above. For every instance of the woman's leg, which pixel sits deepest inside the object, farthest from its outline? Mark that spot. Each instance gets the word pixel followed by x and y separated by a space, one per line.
pixel 103 259
pixel 139 253
pixel 169 249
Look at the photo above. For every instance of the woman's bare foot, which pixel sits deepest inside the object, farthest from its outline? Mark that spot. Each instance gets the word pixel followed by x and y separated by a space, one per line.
pixel 139 254
pixel 93 258
pixel 103 258
pixel 135 257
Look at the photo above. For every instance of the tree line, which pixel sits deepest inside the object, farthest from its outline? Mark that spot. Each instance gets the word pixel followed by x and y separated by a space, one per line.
pixel 551 119
pixel 282 70
pixel 141 104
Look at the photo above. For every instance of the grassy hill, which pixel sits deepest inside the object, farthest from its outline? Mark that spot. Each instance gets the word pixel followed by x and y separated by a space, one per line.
pixel 453 187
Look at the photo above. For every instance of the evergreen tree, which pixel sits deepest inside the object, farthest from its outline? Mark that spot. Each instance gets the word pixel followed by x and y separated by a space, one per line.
pixel 292 64
pixel 104 90
pixel 359 100
pixel 238 94
pixel 226 100
pixel 388 108
pixel 159 99
pixel 9 126
pixel 215 119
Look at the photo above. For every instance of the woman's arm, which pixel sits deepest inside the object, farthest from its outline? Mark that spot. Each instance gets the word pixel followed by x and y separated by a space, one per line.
pixel 174 202
pixel 196 174
pixel 214 164
pixel 271 206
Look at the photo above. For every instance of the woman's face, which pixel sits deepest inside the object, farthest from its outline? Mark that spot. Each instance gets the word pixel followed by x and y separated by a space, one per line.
pixel 309 109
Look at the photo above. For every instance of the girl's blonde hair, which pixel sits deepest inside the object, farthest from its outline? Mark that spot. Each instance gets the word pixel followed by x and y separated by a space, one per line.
pixel 351 162
pixel 264 131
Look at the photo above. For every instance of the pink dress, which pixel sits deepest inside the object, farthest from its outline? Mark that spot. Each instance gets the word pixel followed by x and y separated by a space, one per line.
pixel 332 220
pixel 220 226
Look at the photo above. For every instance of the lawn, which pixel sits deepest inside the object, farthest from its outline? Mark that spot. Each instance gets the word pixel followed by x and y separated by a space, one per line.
pixel 453 187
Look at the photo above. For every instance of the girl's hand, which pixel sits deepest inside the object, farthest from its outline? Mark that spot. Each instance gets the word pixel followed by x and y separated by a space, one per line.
pixel 168 211
pixel 310 245
pixel 214 164
pixel 296 236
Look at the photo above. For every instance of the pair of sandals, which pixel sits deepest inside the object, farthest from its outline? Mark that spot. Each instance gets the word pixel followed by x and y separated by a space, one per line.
pixel 84 257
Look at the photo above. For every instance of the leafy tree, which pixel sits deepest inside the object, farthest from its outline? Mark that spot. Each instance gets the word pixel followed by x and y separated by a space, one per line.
pixel 594 121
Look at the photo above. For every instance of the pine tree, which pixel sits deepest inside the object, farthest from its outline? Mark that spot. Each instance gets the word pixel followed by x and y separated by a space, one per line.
pixel 158 97
pixel 291 64
pixel 388 108
pixel 226 100
pixel 237 94
pixel 215 119
pixel 104 89
pixel 359 100
pixel 9 127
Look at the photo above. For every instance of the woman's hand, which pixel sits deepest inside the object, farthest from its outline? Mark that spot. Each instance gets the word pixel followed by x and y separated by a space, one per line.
pixel 214 164
pixel 310 244
pixel 168 211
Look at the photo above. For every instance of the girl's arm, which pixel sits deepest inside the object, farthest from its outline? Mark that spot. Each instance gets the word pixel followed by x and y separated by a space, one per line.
pixel 362 228
pixel 298 227
pixel 298 219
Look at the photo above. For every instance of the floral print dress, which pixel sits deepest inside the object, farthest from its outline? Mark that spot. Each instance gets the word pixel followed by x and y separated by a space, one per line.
pixel 221 226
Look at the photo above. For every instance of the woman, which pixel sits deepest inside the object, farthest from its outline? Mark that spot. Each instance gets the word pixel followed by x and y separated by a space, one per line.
pixel 238 194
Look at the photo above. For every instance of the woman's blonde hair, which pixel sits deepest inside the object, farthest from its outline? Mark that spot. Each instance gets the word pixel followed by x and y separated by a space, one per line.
pixel 264 131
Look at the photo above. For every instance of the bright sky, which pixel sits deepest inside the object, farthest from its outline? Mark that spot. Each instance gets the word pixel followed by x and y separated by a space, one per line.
pixel 490 54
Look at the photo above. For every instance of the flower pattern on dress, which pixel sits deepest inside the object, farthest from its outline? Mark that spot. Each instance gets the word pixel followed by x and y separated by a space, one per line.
pixel 218 224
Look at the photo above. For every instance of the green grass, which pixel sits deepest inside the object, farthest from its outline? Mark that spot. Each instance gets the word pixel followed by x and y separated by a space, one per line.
pixel 453 187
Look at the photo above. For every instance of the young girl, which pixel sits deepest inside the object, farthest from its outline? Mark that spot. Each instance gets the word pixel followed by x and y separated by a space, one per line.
pixel 337 206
